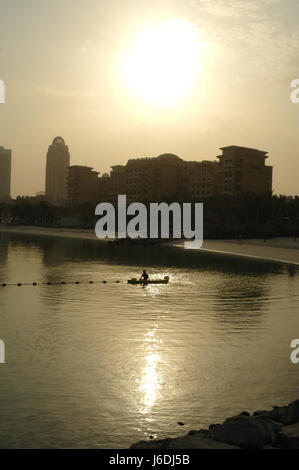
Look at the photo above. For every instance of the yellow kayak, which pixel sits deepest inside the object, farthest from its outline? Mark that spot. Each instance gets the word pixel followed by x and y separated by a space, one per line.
pixel 149 281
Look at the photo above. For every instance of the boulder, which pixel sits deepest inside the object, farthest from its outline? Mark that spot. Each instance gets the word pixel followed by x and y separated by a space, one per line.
pixel 274 429
pixel 196 440
pixel 278 414
pixel 259 412
pixel 288 437
pixel 293 412
pixel 245 432
pixel 213 426
pixel 244 413
pixel 271 427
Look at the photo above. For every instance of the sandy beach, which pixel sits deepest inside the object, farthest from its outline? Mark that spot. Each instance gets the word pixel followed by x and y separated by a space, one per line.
pixel 284 250
pixel 82 234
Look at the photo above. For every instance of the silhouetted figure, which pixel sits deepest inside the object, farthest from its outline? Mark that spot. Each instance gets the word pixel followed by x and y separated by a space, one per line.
pixel 144 276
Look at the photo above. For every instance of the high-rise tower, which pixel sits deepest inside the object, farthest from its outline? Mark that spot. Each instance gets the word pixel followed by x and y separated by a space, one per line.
pixel 58 161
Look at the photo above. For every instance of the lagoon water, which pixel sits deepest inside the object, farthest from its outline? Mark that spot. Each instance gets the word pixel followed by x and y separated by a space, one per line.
pixel 105 365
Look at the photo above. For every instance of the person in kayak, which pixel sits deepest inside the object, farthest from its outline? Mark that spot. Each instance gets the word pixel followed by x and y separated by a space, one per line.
pixel 144 276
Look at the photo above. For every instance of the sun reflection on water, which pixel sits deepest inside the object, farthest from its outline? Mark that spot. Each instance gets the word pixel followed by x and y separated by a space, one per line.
pixel 151 375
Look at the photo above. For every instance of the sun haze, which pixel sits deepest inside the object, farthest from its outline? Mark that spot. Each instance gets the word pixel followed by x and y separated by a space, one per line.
pixel 162 63
pixel 127 79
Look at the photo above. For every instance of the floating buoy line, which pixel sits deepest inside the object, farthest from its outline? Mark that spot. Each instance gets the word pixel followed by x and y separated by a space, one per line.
pixel 49 283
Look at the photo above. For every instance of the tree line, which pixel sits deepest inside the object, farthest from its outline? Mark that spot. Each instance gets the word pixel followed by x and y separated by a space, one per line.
pixel 225 216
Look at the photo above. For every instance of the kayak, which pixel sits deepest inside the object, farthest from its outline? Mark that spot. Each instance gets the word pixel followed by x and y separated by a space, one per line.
pixel 149 281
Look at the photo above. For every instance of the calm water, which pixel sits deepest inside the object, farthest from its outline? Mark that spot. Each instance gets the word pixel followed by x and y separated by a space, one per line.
pixel 105 365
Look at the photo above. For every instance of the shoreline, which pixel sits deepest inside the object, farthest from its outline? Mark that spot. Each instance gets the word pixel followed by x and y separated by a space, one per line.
pixel 275 429
pixel 280 250
pixel 80 233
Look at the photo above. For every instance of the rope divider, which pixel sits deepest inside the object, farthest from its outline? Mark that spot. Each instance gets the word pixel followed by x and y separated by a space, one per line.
pixel 62 283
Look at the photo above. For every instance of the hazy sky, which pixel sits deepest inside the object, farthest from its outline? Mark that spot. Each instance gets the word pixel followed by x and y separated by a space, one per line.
pixel 86 70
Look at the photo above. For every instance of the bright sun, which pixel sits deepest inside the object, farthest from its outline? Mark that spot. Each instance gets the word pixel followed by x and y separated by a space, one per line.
pixel 162 63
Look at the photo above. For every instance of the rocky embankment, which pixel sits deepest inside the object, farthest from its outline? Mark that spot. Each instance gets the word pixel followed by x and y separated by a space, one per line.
pixel 275 429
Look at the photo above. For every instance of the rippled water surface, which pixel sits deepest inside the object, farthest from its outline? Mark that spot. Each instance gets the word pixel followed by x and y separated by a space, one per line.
pixel 105 365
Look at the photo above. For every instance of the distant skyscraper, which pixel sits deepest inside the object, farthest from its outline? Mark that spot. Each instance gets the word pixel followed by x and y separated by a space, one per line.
pixel 58 161
pixel 5 173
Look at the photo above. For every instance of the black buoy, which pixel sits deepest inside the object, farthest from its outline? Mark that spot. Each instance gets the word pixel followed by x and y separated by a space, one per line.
pixel 104 282
pixel 49 283
pixel 19 284
pixel 90 282
pixel 77 282
pixel 34 284
pixel 3 285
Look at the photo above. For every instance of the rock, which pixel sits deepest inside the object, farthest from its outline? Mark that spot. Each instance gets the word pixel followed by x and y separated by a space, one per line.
pixel 278 428
pixel 244 413
pixel 259 412
pixel 288 437
pixel 245 432
pixel 204 432
pixel 284 414
pixel 279 414
pixel 213 426
pixel 293 412
pixel 271 427
pixel 196 440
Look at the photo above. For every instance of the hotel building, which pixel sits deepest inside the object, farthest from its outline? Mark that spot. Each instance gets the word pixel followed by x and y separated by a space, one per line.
pixel 169 178
pixel 243 170
pixel 82 184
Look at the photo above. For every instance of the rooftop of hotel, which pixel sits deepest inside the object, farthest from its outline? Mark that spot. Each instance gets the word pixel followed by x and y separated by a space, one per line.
pixel 242 149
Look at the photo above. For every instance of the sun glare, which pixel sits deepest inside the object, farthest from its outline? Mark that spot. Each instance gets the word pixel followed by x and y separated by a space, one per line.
pixel 162 63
